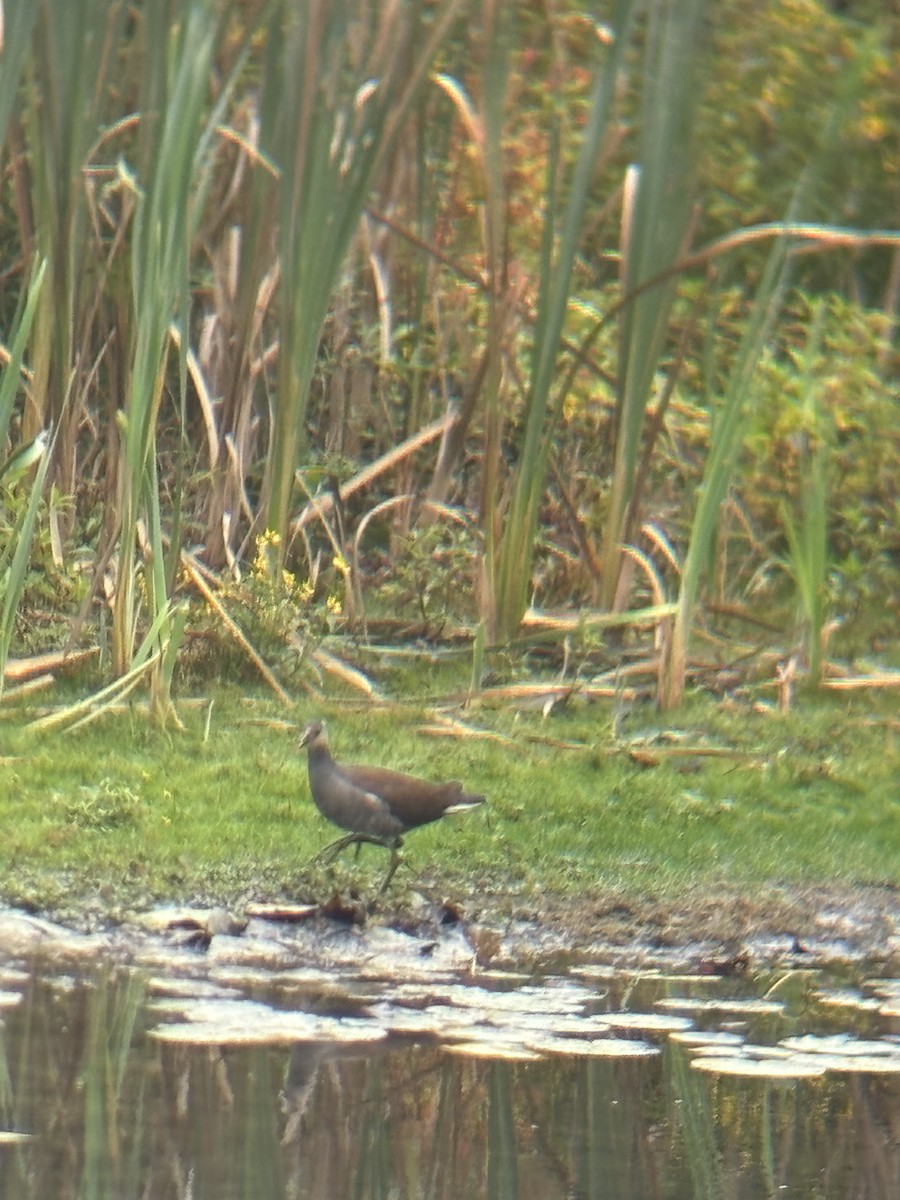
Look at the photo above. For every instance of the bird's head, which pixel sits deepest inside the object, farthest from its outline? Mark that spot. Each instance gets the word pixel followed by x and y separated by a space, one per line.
pixel 314 735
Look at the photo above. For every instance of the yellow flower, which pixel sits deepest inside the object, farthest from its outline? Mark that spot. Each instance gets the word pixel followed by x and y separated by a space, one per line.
pixel 333 604
pixel 340 564
pixel 873 128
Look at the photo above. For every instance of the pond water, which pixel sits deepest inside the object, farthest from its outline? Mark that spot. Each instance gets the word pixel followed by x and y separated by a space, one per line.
pixel 206 1082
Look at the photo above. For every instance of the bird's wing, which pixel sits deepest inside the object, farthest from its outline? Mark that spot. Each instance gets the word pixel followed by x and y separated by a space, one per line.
pixel 411 800
pixel 362 810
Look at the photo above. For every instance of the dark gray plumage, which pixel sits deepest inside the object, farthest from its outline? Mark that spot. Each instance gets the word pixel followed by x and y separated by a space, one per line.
pixel 375 804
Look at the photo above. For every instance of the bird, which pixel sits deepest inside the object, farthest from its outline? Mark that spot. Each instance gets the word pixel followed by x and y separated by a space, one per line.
pixel 375 804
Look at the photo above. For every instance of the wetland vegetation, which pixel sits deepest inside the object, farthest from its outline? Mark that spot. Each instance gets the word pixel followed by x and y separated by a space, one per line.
pixel 515 387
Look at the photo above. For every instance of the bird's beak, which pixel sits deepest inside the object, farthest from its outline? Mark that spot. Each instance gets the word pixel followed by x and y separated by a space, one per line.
pixel 304 738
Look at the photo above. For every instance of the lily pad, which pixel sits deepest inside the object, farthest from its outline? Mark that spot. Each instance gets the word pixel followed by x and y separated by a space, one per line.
pixel 865 1064
pixel 10 977
pixel 601 1047
pixel 409 1022
pixel 501 1051
pixel 647 1022
pixel 750 1006
pixel 839 1043
pixel 846 998
pixel 713 1038
pixel 247 1022
pixel 758 1068
pixel 186 986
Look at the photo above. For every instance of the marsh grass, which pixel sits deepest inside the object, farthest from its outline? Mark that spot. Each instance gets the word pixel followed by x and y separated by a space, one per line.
pixel 510 546
pixel 215 273
pixel 22 475
pixel 807 531
pixel 221 812
pixel 657 203
pixel 330 126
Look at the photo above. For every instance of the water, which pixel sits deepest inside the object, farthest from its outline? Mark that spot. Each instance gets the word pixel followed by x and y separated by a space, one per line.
pixel 211 1084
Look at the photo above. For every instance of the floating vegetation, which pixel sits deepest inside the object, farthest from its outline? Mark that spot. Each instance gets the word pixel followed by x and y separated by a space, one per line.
pixel 347 1002
pixel 803 1056
pixel 212 1022
pixel 648 1022
pixel 10 977
pixel 504 1051
pixel 888 992
pixel 843 1052
pixel 549 1000
pixel 839 1043
pixel 716 1038
pixel 189 987
pixel 760 1068
pixel 863 1064
pixel 749 1006
pixel 609 1047
pixel 602 973
pixel 373 1084
pixel 409 1022
pixel 847 998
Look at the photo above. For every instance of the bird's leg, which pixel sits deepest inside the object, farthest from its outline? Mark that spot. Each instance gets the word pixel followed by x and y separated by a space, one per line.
pixel 333 849
pixel 395 863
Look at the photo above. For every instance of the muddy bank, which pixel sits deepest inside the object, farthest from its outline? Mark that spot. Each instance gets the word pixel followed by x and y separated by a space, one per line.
pixel 855 921
pixel 721 932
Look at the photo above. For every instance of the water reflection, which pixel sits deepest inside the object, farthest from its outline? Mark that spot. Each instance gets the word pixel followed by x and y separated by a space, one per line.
pixel 96 1102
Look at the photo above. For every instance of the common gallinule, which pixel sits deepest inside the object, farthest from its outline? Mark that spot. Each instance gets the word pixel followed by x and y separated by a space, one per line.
pixel 375 804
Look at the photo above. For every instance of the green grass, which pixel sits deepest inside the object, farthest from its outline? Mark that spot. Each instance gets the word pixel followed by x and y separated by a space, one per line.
pixel 120 815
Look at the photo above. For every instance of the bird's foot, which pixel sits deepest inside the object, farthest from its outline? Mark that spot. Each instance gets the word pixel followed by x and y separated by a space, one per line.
pixel 333 849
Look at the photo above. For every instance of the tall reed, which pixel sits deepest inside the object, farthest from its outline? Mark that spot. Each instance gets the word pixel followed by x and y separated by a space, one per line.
pixel 21 519
pixel 339 83
pixel 658 199
pixel 510 553
pixel 483 119
pixel 76 50
pixel 173 147
pixel 728 419
pixel 807 533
